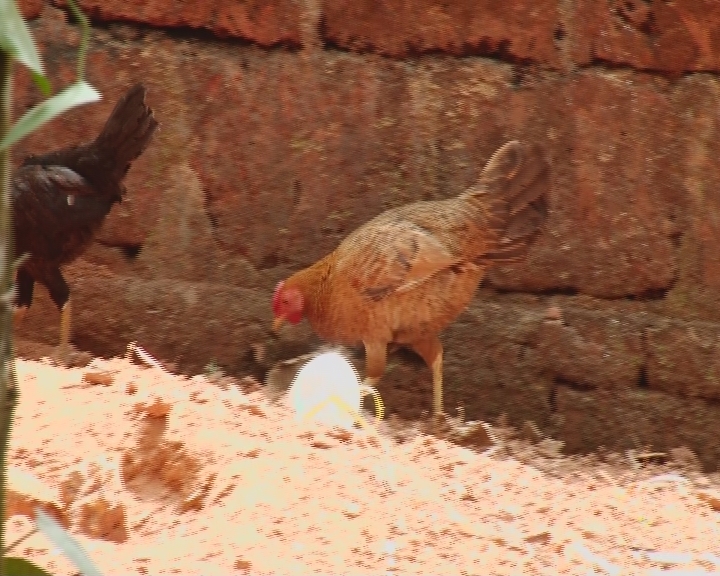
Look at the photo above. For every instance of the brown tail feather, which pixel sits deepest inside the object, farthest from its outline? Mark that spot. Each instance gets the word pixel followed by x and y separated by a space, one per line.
pixel 105 161
pixel 512 190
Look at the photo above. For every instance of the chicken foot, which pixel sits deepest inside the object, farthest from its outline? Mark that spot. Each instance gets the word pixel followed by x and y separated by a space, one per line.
pixel 60 295
pixel 375 360
pixel 430 350
pixel 63 350
pixel 65 325
pixel 62 354
pixel 370 383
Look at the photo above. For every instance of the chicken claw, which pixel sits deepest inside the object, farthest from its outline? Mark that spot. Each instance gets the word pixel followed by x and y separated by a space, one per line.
pixel 369 383
pixel 61 356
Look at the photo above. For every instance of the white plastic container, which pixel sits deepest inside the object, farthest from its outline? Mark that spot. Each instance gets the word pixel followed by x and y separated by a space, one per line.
pixel 327 375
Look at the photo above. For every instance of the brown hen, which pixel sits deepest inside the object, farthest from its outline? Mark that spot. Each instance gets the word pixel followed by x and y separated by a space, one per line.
pixel 405 275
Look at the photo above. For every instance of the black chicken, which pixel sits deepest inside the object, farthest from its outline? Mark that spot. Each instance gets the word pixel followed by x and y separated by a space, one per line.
pixel 60 200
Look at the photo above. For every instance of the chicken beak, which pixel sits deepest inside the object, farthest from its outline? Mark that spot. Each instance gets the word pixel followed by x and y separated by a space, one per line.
pixel 277 323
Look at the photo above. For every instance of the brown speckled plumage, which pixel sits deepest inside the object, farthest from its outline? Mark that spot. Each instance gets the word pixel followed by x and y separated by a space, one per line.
pixel 408 273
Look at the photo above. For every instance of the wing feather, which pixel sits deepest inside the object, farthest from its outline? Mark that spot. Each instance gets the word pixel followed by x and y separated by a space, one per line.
pixel 391 256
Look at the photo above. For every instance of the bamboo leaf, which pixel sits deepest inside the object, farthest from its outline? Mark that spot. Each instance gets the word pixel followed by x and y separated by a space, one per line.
pixel 43 83
pixel 57 534
pixel 15 37
pixel 79 93
pixel 22 567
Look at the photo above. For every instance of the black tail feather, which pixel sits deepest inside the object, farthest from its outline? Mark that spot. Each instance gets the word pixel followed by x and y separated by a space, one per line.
pixel 105 161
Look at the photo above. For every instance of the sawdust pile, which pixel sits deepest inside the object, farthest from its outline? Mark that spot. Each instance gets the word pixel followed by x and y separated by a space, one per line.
pixel 155 473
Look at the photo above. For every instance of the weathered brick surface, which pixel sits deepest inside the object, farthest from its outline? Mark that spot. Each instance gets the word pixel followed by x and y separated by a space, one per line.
pixel 591 349
pixel 187 323
pixel 697 294
pixel 672 37
pixel 684 359
pixel 516 29
pixel 490 365
pixel 266 159
pixel 265 23
pixel 618 186
pixel 638 419
pixel 31 8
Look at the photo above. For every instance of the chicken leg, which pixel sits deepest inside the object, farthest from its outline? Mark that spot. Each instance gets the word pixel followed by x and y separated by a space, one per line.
pixel 431 351
pixel 65 332
pixel 375 360
pixel 60 295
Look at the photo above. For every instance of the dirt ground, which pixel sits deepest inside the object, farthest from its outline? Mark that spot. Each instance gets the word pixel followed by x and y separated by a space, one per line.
pixel 156 473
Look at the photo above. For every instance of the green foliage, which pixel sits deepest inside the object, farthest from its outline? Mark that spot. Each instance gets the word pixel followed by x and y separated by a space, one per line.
pixel 16 43
pixel 22 567
pixel 54 532
pixel 15 37
pixel 16 40
pixel 74 95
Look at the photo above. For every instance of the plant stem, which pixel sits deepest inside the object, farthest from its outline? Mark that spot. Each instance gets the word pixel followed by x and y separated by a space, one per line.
pixel 20 540
pixel 85 28
pixel 8 385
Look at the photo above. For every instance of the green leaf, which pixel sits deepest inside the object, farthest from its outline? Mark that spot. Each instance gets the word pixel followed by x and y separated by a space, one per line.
pixel 22 567
pixel 15 37
pixel 79 93
pixel 57 534
pixel 85 28
pixel 17 477
pixel 42 82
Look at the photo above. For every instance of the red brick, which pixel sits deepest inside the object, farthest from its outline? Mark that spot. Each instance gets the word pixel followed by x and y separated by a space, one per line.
pixel 30 8
pixel 683 359
pixel 291 155
pixel 265 23
pixel 517 29
pixel 618 186
pixel 630 418
pixel 672 37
